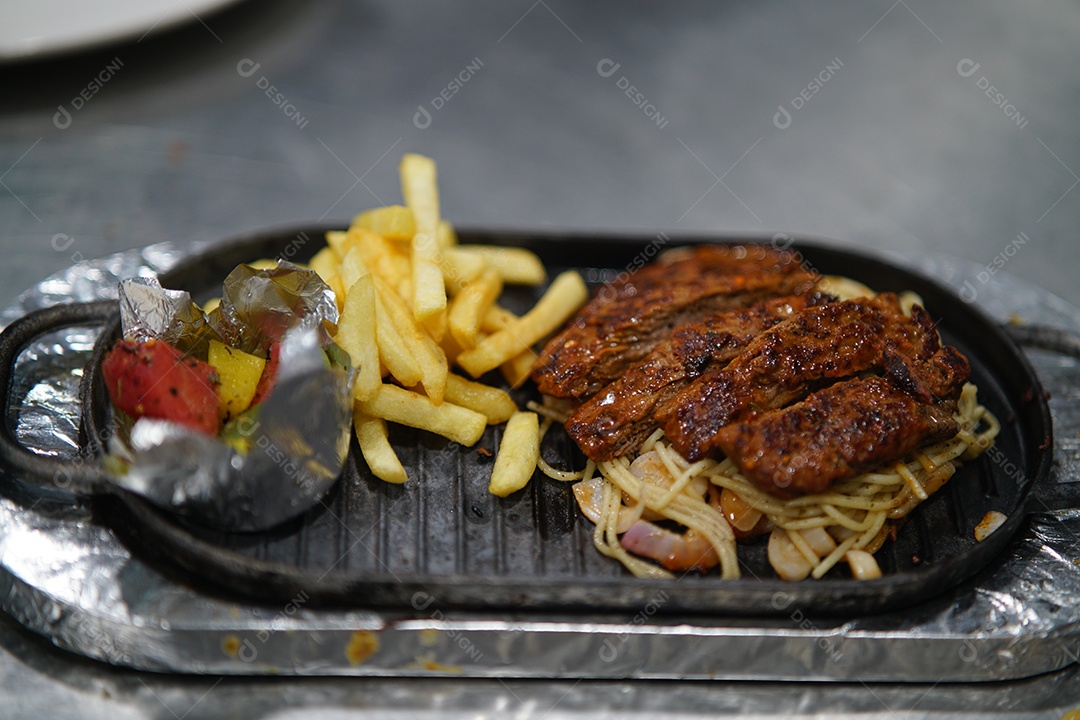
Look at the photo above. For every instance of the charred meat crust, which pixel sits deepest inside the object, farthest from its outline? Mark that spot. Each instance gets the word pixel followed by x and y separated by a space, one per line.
pixel 618 419
pixel 623 323
pixel 838 432
pixel 731 354
pixel 794 358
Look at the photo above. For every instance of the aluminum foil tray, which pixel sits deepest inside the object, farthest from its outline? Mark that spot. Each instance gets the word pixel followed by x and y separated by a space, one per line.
pixel 67 576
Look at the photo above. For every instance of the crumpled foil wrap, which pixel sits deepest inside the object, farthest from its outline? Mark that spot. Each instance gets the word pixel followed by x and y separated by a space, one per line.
pixel 69 578
pixel 258 307
pixel 297 439
pixel 148 310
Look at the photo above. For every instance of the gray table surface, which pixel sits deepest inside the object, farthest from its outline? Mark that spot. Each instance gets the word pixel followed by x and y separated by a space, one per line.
pixel 902 126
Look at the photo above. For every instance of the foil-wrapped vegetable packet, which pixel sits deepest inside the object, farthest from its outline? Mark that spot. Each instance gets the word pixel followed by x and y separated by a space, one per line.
pixel 269 461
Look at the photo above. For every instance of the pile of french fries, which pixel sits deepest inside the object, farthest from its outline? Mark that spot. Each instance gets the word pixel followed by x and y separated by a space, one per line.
pixel 417 307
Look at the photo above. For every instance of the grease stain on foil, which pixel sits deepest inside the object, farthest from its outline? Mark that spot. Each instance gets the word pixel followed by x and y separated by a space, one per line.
pixel 362 645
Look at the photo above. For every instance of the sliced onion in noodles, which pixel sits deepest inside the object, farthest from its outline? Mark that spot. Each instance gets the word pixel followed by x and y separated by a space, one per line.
pixel 590 498
pixel 819 540
pixel 738 512
pixel 650 468
pixel 785 558
pixel 863 565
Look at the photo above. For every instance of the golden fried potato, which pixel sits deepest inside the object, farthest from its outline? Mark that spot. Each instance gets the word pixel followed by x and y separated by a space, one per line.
pixel 418 186
pixel 393 222
pixel 491 402
pixel 516 370
pixel 357 335
pixel 564 296
pixel 421 348
pixel 325 263
pixel 518 454
pixel 516 266
pixel 404 407
pixel 352 268
pixel 413 301
pixel 471 305
pixel 395 352
pixel 497 318
pixel 375 446
pixel 461 269
pixel 385 258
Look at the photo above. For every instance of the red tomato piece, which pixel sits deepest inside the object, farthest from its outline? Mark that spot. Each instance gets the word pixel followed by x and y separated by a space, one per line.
pixel 154 379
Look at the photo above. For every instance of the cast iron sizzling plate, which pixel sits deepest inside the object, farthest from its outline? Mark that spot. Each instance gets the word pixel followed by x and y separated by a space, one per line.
pixel 443 539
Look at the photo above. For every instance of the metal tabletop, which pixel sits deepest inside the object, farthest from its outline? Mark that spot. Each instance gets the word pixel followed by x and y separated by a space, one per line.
pixel 900 126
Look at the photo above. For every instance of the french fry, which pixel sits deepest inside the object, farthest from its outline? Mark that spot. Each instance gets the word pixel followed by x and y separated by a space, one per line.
pixel 563 297
pixel 381 459
pixel 338 241
pixel 404 290
pixel 418 186
pixel 518 453
pixel 491 402
pixel 516 266
pixel 394 222
pixel 338 287
pixel 516 370
pixel 450 348
pixel 435 370
pixel 381 256
pixel 460 269
pixel 453 422
pixel 436 325
pixel 352 267
pixel 422 349
pixel 471 304
pixel 325 263
pixel 412 300
pixel 394 351
pixel 497 318
pixel 356 334
pixel 446 235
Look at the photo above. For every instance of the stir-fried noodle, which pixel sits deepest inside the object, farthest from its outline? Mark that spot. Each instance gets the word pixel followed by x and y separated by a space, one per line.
pixel 810 534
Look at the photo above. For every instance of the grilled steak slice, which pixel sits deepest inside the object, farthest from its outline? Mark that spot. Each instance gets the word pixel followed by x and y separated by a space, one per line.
pixel 782 365
pixel 624 322
pixel 618 419
pixel 835 433
pixel 927 370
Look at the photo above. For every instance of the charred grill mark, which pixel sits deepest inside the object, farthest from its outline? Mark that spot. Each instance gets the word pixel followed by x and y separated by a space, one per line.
pixel 621 325
pixel 615 421
pixel 845 429
pixel 836 340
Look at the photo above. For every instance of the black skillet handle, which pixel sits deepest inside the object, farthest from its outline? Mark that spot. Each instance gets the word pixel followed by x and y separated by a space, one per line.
pixel 1045 338
pixel 65 474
